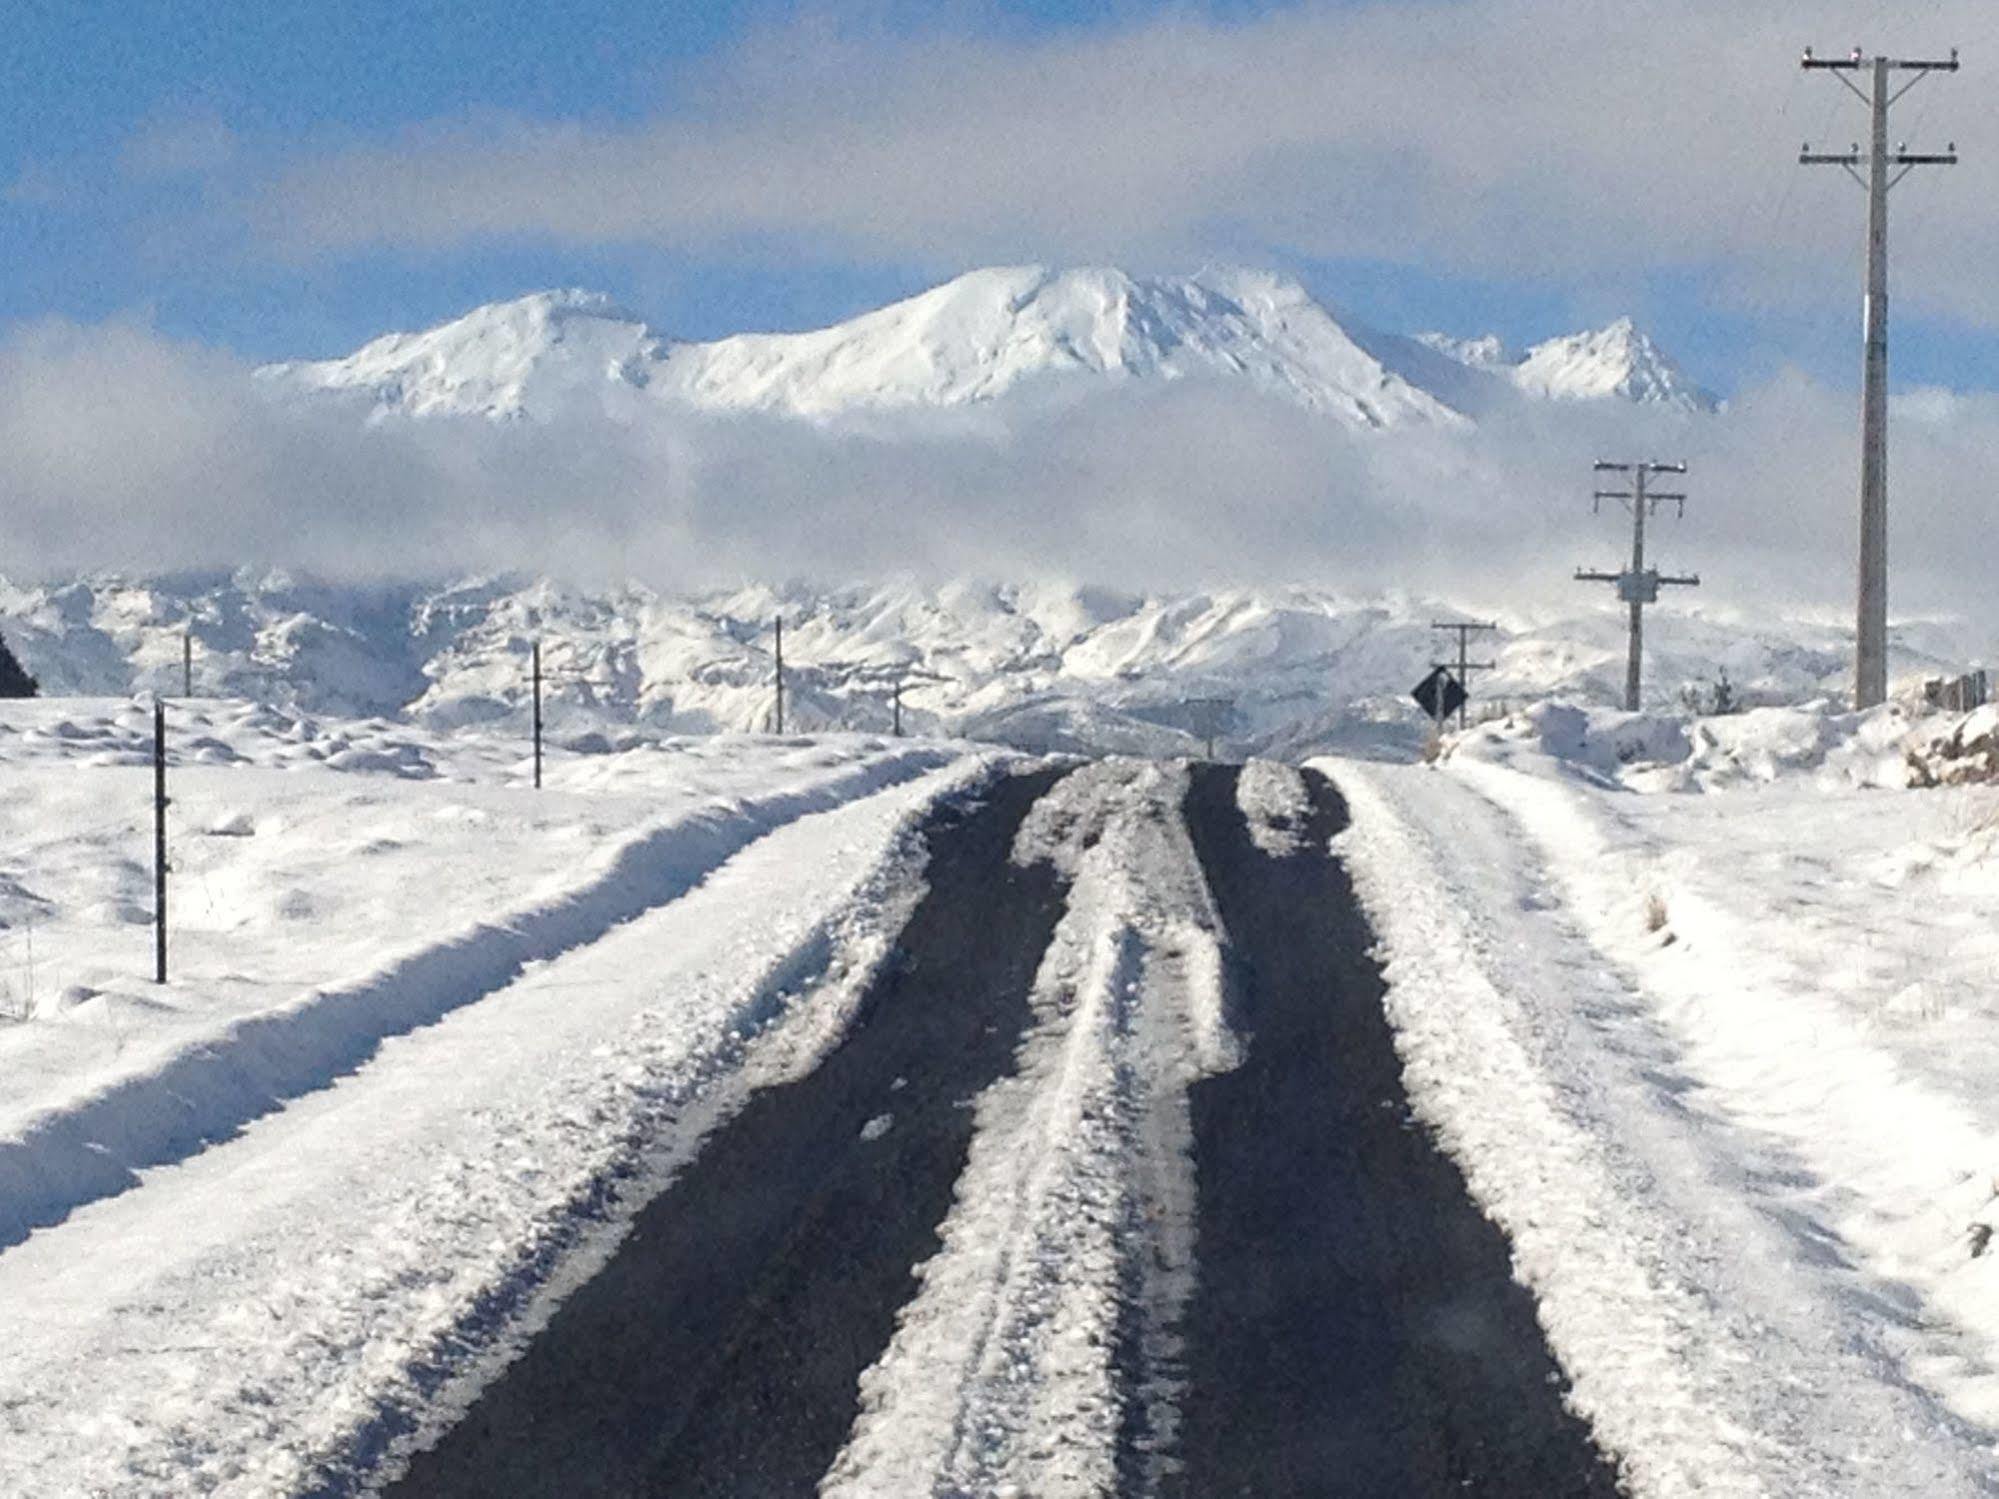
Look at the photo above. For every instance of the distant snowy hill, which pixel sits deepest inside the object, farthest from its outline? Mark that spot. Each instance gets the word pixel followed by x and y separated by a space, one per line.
pixel 1615 361
pixel 1045 666
pixel 977 338
pixel 509 359
pixel 1619 362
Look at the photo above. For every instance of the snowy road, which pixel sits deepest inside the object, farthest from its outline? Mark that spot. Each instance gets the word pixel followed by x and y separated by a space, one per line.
pixel 717 1352
pixel 1110 1189
pixel 880 1121
pixel 1330 1221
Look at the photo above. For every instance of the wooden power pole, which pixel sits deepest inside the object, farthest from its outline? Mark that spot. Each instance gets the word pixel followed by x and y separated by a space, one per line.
pixel 1885 168
pixel 780 674
pixel 1638 585
pixel 159 842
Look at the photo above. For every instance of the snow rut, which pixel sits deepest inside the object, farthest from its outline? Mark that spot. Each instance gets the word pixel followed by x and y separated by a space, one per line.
pixel 312 1291
pixel 1069 1251
pixel 1717 1341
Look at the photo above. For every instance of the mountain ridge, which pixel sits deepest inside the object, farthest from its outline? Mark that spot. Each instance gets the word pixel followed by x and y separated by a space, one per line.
pixel 1046 665
pixel 979 338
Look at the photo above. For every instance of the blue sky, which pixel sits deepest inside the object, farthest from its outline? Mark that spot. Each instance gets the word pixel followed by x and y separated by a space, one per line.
pixel 156 157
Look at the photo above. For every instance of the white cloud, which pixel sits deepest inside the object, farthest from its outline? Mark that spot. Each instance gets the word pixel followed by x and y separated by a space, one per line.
pixel 1503 137
pixel 119 448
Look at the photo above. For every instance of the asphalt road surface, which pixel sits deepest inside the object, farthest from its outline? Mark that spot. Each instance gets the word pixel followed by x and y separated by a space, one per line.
pixel 1354 1329
pixel 717 1353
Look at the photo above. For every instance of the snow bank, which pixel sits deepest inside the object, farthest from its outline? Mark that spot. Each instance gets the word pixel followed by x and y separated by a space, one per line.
pixel 288 1307
pixel 1679 752
pixel 1905 1165
pixel 110 1079
pixel 1747 1230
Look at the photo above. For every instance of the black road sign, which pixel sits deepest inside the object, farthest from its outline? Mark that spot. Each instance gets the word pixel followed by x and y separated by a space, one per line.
pixel 1440 694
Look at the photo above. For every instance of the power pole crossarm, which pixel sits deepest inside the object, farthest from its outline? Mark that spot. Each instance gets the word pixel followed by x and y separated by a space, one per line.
pixel 1638 585
pixel 1877 169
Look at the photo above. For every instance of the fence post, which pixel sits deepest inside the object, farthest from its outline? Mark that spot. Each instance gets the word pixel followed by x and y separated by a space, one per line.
pixel 159 842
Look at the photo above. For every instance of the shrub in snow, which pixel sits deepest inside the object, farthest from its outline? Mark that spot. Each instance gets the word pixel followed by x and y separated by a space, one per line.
pixel 1716 699
pixel 14 678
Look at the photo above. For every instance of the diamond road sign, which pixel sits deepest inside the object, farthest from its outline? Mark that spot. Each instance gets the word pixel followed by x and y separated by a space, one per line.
pixel 1440 694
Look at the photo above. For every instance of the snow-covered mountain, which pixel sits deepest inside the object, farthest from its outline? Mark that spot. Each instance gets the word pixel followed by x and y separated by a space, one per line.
pixel 1486 353
pixel 529 356
pixel 1615 361
pixel 1618 362
pixel 977 338
pixel 1047 666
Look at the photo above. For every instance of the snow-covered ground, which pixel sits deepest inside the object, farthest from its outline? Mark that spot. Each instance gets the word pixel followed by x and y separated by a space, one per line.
pixel 420 1016
pixel 1705 1010
pixel 1277 671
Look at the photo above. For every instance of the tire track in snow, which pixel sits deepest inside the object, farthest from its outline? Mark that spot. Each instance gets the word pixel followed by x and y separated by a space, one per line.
pixel 717 1352
pixel 1356 1328
pixel 1718 1335
pixel 1041 1355
pixel 303 1297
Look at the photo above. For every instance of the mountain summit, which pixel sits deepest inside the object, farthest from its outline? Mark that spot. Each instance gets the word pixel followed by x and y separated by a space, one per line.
pixel 508 359
pixel 1619 361
pixel 982 336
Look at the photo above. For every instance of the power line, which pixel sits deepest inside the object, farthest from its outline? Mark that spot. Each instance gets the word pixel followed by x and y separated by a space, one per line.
pixel 1870 663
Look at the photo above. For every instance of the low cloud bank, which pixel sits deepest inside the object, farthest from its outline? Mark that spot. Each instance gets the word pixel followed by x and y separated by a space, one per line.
pixel 122 449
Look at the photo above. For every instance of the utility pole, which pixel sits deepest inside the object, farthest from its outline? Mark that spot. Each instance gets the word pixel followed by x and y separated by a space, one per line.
pixel 537 715
pixel 780 674
pixel 897 700
pixel 1638 585
pixel 159 842
pixel 1870 667
pixel 1464 666
pixel 187 661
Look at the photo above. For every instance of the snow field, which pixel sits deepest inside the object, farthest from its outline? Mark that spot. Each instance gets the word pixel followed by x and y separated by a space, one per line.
pixel 1759 988
pixel 315 913
pixel 1045 666
pixel 1070 1244
pixel 280 1310
pixel 1715 1333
